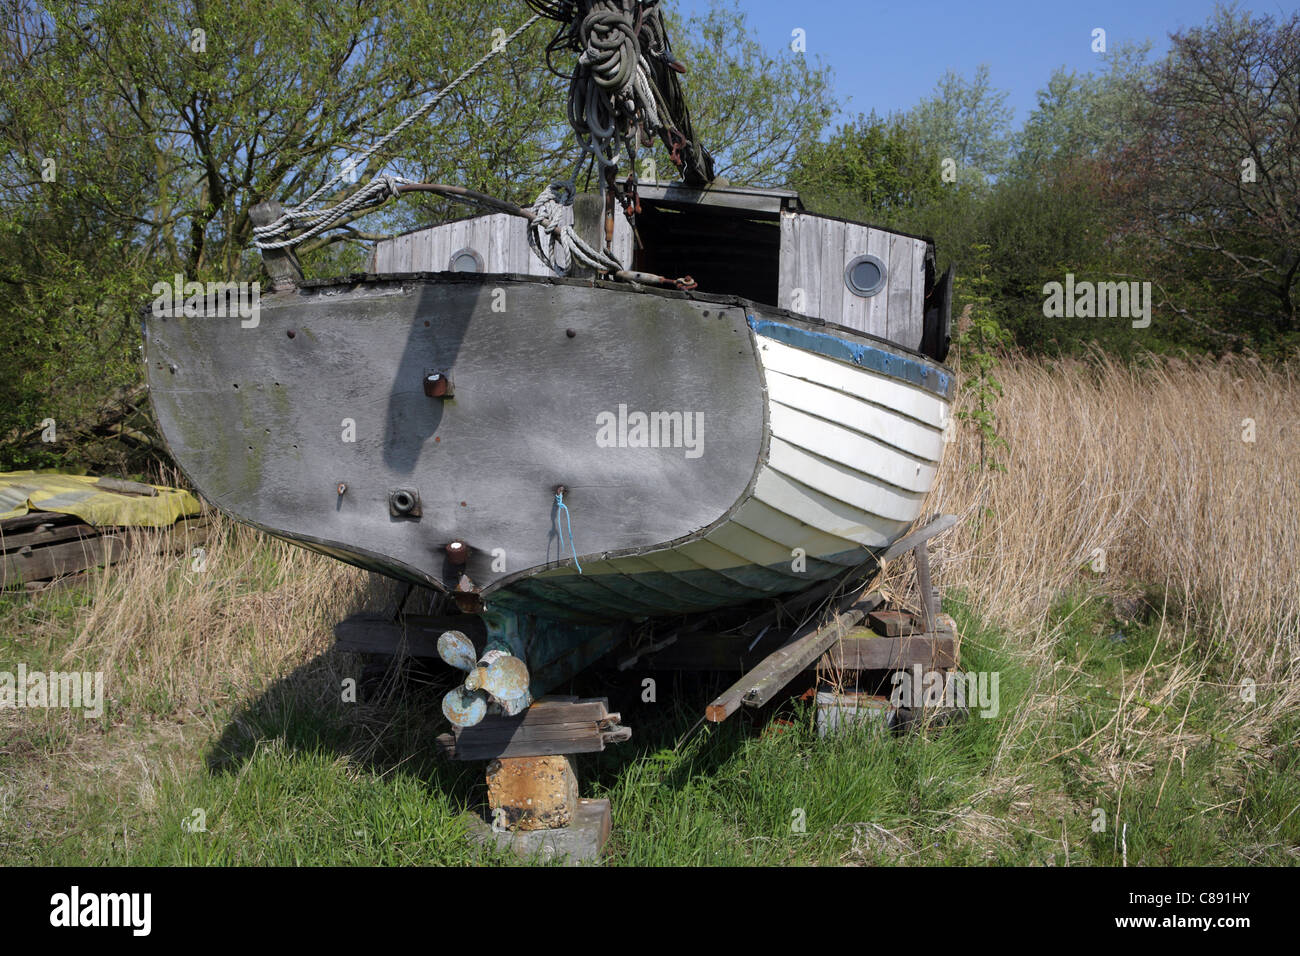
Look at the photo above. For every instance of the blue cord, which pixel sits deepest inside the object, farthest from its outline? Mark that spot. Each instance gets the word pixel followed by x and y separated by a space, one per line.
pixel 559 503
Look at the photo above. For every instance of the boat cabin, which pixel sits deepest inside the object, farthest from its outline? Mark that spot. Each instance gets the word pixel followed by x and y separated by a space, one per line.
pixel 759 244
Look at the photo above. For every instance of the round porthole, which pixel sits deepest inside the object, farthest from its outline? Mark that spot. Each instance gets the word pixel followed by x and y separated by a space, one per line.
pixel 466 260
pixel 865 275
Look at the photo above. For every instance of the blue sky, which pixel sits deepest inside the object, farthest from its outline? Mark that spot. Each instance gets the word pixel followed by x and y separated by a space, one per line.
pixel 888 55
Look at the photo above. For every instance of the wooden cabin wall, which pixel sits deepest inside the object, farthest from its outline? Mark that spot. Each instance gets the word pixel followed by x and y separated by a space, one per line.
pixel 501 239
pixel 814 254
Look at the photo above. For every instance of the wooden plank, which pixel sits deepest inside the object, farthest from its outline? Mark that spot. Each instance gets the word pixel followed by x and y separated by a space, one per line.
pixel 551 726
pixel 767 202
pixel 473 749
pixel 589 224
pixel 54 560
pixel 34 519
pixel 766 680
pixel 808 277
pixel 623 241
pixel 906 544
pixel 547 711
pixel 864 651
pixel 899 291
pixel 855 310
pixel 44 535
pixel 917 312
pixel 788 261
pixel 830 278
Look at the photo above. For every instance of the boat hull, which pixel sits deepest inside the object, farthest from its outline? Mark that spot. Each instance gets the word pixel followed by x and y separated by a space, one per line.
pixel 710 451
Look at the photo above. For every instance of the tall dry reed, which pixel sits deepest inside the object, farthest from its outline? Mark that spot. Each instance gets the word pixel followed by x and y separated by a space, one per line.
pixel 1183 475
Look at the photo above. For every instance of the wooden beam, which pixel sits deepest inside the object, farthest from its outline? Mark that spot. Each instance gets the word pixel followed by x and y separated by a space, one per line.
pixel 281 264
pixel 413 636
pixel 868 652
pixel 38 564
pixel 45 535
pixel 548 727
pixel 929 606
pixel 908 543
pixel 34 519
pixel 766 680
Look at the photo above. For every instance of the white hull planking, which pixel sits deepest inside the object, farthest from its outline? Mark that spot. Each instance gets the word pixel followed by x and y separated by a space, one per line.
pixel 852 455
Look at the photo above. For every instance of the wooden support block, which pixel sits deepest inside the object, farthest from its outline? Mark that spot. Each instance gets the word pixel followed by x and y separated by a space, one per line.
pixel 864 651
pixel 547 727
pixel 893 623
pixel 532 793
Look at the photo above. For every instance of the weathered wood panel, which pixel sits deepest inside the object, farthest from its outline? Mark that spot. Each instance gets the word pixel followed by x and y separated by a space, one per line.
pixel 899 290
pixel 499 238
pixel 814 254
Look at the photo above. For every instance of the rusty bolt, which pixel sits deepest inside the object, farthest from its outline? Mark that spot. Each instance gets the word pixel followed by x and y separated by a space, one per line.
pixel 343 486
pixel 457 552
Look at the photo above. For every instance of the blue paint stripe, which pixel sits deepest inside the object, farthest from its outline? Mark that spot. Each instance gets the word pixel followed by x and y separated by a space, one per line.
pixel 915 371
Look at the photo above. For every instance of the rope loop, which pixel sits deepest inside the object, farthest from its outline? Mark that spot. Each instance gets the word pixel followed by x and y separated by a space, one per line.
pixel 562 507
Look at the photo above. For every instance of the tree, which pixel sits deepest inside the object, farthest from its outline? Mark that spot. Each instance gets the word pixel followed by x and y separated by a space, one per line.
pixel 753 108
pixel 967 121
pixel 1212 179
pixel 165 123
pixel 873 168
pixel 1083 116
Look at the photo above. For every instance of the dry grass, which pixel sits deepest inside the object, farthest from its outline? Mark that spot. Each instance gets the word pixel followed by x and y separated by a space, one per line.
pixel 1148 464
pixel 207 629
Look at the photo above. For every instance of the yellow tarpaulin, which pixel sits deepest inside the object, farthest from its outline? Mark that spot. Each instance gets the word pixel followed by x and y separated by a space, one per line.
pixel 80 495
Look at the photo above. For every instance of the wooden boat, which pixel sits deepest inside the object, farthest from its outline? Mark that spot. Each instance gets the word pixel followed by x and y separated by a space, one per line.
pixel 566 454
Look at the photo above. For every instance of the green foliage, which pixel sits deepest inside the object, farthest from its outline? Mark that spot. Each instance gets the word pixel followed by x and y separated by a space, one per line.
pixel 167 122
pixel 967 121
pixel 873 168
pixel 752 107
pixel 978 344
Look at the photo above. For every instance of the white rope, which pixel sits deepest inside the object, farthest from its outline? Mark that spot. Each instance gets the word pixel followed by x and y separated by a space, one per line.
pixel 378 189
pixel 556 242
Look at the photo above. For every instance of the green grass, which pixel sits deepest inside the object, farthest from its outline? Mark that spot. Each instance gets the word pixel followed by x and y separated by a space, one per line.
pixel 292 775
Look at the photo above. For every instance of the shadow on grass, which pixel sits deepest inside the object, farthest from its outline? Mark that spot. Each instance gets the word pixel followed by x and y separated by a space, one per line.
pixel 383 717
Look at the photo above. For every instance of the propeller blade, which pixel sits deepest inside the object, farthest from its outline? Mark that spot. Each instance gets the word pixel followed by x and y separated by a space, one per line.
pixel 464 708
pixel 457 650
pixel 506 679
